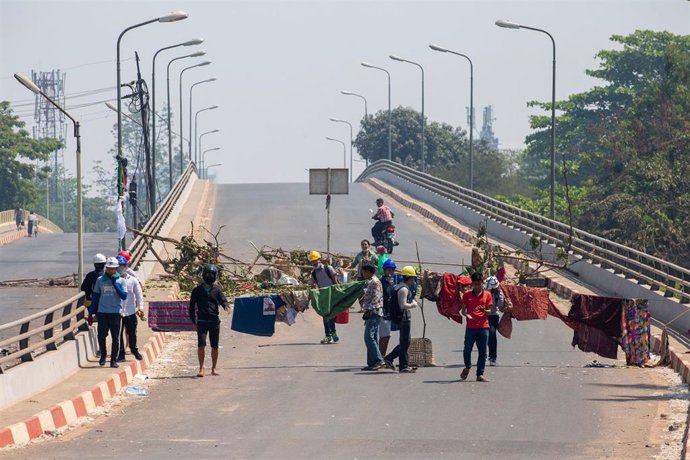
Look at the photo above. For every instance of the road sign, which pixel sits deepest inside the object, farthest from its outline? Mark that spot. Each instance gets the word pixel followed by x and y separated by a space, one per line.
pixel 328 181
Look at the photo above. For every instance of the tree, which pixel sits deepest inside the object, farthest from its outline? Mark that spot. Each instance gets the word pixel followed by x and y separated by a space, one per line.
pixel 17 151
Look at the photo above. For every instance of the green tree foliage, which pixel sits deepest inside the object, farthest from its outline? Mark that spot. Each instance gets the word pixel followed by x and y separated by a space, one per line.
pixel 18 155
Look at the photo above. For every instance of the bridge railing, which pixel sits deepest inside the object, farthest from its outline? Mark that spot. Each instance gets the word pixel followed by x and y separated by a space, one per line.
pixel 7 220
pixel 633 264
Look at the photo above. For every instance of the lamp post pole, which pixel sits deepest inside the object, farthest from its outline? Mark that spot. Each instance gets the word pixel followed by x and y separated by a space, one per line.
pixel 344 150
pixel 203 159
pixel 181 121
pixel 390 150
pixel 211 166
pixel 350 93
pixel 208 80
pixel 201 136
pixel 512 25
pixel 446 50
pixel 196 119
pixel 337 120
pixel 397 58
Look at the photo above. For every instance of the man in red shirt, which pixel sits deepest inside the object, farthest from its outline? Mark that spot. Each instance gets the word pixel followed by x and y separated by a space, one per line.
pixel 476 307
pixel 383 217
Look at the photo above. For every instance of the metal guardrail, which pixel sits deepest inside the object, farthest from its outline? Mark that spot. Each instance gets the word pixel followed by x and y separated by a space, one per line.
pixel 138 247
pixel 633 264
pixel 7 217
pixel 59 324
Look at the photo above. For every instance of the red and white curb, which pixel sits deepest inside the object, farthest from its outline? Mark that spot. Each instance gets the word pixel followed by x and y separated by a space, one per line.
pixel 67 412
pixel 15 235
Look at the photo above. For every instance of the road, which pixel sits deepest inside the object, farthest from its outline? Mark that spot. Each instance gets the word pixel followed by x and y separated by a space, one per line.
pixel 289 397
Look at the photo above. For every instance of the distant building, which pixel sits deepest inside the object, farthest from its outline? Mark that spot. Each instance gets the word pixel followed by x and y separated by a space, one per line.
pixel 487 133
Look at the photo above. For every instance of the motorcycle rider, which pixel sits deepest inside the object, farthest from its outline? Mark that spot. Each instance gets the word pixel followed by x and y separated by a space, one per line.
pixel 384 218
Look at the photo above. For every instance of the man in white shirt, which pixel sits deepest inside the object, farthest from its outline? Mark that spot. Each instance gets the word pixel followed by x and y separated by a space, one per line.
pixel 130 306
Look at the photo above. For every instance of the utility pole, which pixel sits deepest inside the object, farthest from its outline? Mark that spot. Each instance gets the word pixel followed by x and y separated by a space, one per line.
pixel 143 93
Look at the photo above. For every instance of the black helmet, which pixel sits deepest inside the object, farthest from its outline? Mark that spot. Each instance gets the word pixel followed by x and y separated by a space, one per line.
pixel 209 268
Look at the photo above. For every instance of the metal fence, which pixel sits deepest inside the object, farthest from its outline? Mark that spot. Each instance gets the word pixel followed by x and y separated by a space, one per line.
pixel 7 218
pixel 633 264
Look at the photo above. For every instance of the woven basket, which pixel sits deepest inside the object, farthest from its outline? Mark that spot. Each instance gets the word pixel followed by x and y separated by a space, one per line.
pixel 420 353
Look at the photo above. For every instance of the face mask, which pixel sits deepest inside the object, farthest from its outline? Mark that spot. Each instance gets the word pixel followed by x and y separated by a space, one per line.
pixel 210 278
pixel 121 269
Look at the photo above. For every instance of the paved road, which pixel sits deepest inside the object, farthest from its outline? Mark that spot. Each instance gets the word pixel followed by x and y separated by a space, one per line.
pixel 288 397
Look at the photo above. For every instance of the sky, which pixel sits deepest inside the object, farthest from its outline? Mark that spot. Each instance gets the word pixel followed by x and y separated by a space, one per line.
pixel 280 66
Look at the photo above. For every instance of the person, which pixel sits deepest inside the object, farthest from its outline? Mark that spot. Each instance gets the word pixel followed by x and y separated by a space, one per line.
pixel 106 301
pixel 383 217
pixel 498 305
pixel 130 306
pixel 400 314
pixel 323 275
pixel 90 279
pixel 372 304
pixel 32 228
pixel 476 307
pixel 128 255
pixel 18 217
pixel 382 258
pixel 388 285
pixel 204 312
pixel 366 255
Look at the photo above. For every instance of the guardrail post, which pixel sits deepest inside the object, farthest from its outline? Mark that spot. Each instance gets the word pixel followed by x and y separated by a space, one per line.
pixel 48 334
pixel 66 324
pixel 84 326
pixel 24 343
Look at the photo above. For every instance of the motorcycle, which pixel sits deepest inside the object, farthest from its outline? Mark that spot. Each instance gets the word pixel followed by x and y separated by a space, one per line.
pixel 387 238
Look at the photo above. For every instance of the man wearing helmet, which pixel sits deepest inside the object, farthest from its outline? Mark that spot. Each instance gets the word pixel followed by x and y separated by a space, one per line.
pixel 388 285
pixel 134 303
pixel 491 284
pixel 205 314
pixel 323 275
pixel 128 256
pixel 400 315
pixel 106 300
pixel 91 277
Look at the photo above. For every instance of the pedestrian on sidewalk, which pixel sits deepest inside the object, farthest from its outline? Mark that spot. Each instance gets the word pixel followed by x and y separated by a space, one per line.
pixel 366 255
pixel 323 275
pixel 204 312
pixel 130 306
pixel 400 315
pixel 18 217
pixel 388 284
pixel 476 307
pixel 498 305
pixel 32 227
pixel 89 281
pixel 372 304
pixel 106 301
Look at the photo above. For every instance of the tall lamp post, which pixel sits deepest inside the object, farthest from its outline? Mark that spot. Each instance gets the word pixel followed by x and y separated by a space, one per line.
pixel 203 159
pixel 398 58
pixel 446 50
pixel 170 165
pixel 211 166
pixel 350 93
pixel 194 41
pixel 196 119
pixel 24 80
pixel 201 136
pixel 208 80
pixel 344 151
pixel 369 66
pixel 338 120
pixel 512 25
pixel 190 121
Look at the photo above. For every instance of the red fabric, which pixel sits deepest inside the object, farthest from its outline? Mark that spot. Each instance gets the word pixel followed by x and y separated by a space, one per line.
pixel 501 274
pixel 505 326
pixel 465 280
pixel 528 303
pixel 343 318
pixel 449 298
pixel 476 318
pixel 599 323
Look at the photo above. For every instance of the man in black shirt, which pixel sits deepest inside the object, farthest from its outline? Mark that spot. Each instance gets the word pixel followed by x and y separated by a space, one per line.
pixel 91 277
pixel 204 313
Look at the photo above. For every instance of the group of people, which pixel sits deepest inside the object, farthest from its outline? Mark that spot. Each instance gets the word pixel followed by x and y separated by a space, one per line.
pixel 32 228
pixel 114 295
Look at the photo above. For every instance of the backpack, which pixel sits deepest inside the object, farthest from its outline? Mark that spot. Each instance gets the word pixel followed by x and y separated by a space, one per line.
pixel 395 313
pixel 388 296
pixel 329 270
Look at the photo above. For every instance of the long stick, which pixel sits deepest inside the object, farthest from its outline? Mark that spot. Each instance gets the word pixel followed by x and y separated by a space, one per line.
pixel 421 307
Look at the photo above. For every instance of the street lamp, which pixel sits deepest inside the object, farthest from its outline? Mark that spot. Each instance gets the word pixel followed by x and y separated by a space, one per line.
pixel 170 17
pixel 211 166
pixel 350 93
pixel 208 80
pixel 200 138
pixel 511 25
pixel 338 120
pixel 397 58
pixel 203 158
pixel 170 166
pixel 24 80
pixel 190 121
pixel 369 66
pixel 344 152
pixel 446 50
pixel 196 119
pixel 192 42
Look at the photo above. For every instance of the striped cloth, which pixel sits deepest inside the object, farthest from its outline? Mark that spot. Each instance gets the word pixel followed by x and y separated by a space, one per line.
pixel 170 316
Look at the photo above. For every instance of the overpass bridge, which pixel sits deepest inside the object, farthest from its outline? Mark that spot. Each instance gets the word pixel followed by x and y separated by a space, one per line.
pixel 288 397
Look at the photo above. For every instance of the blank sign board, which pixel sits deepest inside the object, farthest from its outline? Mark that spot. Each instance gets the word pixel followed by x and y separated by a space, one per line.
pixel 325 181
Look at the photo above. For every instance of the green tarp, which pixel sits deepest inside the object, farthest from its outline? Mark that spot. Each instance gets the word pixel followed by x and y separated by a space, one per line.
pixel 332 300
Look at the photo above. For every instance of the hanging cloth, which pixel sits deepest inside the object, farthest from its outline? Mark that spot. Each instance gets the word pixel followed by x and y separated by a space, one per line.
pixel 635 328
pixel 331 300
pixel 449 300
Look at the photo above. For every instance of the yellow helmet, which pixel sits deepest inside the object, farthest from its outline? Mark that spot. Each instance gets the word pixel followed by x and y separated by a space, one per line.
pixel 408 271
pixel 313 255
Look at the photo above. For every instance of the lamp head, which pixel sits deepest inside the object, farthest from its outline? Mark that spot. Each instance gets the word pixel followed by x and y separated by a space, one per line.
pixel 111 106
pixel 26 81
pixel 214 131
pixel 507 24
pixel 366 64
pixel 203 63
pixel 335 119
pixel 349 93
pixel 211 79
pixel 194 41
pixel 213 107
pixel 396 58
pixel 438 48
pixel 173 16
pixel 197 54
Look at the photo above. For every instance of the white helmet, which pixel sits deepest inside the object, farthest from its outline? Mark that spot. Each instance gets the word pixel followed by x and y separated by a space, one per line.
pixel 111 262
pixel 99 258
pixel 491 283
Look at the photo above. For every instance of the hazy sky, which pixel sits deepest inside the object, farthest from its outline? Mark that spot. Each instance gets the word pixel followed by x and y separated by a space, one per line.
pixel 281 65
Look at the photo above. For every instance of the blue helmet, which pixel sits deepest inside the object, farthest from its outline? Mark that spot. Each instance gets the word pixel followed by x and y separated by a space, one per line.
pixel 121 260
pixel 389 264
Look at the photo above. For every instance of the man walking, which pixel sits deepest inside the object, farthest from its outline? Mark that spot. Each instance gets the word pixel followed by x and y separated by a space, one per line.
pixel 204 312
pixel 106 300
pixel 476 306
pixel 400 315
pixel 323 275
pixel 134 303
pixel 90 279
pixel 388 284
pixel 372 304
pixel 498 305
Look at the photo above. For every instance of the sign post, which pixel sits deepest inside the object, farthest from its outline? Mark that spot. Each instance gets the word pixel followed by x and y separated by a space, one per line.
pixel 328 181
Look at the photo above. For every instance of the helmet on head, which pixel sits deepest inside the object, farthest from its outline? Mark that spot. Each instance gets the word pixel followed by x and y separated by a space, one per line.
pixel 313 256
pixel 99 258
pixel 111 262
pixel 491 283
pixel 121 260
pixel 209 273
pixel 408 271
pixel 126 254
pixel 389 264
pixel 380 249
